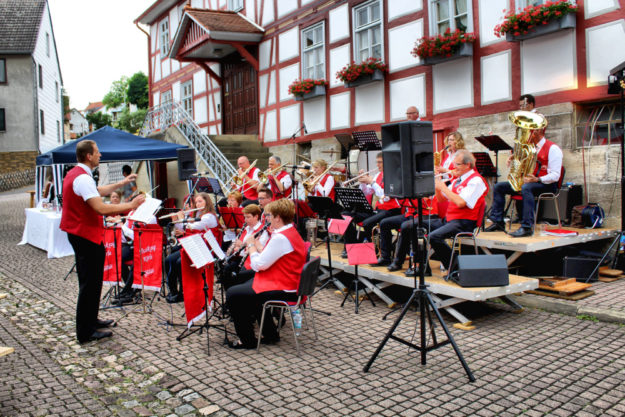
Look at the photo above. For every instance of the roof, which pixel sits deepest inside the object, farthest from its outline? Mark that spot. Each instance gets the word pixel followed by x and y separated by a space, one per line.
pixel 222 21
pixel 93 107
pixel 155 11
pixel 20 25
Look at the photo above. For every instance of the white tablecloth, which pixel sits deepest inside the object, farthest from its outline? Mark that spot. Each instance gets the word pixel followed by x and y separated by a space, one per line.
pixel 42 231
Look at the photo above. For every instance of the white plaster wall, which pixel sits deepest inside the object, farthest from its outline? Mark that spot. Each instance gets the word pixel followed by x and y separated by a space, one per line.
pixel 289 120
pixel 602 55
pixel 156 98
pixel 175 65
pixel 268 14
pixel 199 82
pixel 165 68
pixel 264 59
pixel 173 22
pixel 339 57
pixel 211 110
pixel 287 76
pixel 288 44
pixel 250 10
pixel 370 103
pixel 548 63
pixel 217 100
pixel 452 85
pixel 216 68
pixel 401 40
pixel 156 64
pixel 153 37
pixel 286 6
pixel 491 13
pixel 263 79
pixel 340 110
pixel 594 8
pixel 307 1
pixel 315 114
pixel 407 92
pixel 496 77
pixel 339 23
pixel 397 8
pixel 197 3
pixel 212 130
pixel 271 127
pixel 175 91
pixel 200 112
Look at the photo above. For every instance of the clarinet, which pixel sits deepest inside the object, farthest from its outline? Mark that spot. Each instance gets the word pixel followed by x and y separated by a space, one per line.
pixel 244 258
pixel 230 252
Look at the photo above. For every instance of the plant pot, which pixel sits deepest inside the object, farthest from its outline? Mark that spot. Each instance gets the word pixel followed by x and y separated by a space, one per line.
pixel 365 79
pixel 466 49
pixel 565 22
pixel 317 91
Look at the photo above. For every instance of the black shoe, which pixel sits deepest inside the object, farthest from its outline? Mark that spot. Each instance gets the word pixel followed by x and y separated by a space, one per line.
pixel 238 345
pixel 103 323
pixel 496 227
pixel 344 254
pixel 382 262
pixel 269 340
pixel 97 336
pixel 522 232
pixel 409 272
pixel 174 298
pixel 395 266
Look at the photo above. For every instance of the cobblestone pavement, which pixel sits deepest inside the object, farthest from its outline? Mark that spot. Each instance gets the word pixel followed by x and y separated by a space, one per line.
pixel 534 363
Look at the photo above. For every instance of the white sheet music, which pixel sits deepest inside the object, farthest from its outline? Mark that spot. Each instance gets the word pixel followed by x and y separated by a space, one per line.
pixel 210 238
pixel 145 211
pixel 197 250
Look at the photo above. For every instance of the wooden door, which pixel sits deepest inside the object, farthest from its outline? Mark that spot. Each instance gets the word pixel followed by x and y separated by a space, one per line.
pixel 240 99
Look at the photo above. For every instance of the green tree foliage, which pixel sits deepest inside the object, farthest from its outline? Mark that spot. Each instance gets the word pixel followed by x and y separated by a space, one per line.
pixel 117 93
pixel 99 120
pixel 137 92
pixel 131 122
pixel 65 105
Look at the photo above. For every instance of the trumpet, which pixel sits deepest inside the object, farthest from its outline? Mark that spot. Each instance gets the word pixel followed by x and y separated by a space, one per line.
pixel 263 177
pixel 239 180
pixel 353 181
pixel 311 182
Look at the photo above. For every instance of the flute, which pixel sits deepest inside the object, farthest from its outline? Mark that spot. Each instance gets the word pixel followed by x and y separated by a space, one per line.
pixel 167 216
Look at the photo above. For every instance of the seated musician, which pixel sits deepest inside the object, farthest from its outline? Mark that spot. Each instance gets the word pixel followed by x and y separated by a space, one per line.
pixel 238 269
pixel 234 200
pixel 453 142
pixel 544 179
pixel 325 185
pixel 279 183
pixel 249 181
pixel 278 268
pixel 386 206
pixel 265 196
pixel 207 220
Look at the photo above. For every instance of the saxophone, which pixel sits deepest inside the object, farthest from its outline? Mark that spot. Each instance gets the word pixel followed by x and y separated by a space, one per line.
pixel 524 154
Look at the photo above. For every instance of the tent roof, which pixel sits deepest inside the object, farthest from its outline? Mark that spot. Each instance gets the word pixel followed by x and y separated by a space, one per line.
pixel 114 145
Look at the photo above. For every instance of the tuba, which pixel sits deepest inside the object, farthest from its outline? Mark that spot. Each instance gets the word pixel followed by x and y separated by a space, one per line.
pixel 524 154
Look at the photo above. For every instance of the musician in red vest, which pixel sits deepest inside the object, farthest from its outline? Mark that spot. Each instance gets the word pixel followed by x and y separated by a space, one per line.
pixel 250 181
pixel 278 268
pixel 543 180
pixel 325 186
pixel 280 183
pixel 83 209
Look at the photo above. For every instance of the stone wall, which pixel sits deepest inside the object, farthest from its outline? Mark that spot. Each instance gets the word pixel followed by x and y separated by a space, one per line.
pixel 17 161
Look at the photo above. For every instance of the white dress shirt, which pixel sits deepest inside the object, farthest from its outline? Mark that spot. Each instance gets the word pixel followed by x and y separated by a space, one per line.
pixel 84 185
pixel 472 191
pixel 326 188
pixel 278 246
pixel 207 221
pixel 554 166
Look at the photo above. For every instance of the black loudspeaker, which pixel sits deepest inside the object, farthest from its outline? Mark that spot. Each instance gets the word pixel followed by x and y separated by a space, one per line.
pixel 186 163
pixel 581 268
pixel 407 150
pixel 568 198
pixel 481 271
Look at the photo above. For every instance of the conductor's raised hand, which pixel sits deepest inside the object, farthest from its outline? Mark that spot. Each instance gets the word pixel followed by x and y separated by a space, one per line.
pixel 138 200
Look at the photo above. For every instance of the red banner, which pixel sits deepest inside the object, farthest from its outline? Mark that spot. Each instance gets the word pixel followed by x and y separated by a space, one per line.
pixel 148 258
pixel 112 263
pixel 193 288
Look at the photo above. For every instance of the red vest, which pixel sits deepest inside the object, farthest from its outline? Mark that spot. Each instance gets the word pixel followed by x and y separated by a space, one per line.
pixel 250 192
pixel 387 203
pixel 284 274
pixel 276 192
pixel 465 213
pixel 322 183
pixel 78 217
pixel 429 206
pixel 543 159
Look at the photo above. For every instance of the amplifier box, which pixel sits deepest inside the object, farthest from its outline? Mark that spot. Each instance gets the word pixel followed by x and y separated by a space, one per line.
pixel 481 271
pixel 581 268
pixel 569 197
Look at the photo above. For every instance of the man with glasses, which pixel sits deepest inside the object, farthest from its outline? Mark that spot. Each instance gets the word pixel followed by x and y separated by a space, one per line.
pixel 412 114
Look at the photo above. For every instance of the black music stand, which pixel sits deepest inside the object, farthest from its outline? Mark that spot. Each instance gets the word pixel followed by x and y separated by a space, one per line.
pixel 367 141
pixel 484 165
pixel 347 141
pixel 326 209
pixel 494 143
pixel 354 200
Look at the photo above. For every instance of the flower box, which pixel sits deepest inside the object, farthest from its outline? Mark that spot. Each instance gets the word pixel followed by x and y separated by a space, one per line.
pixel 317 91
pixel 565 22
pixel 377 75
pixel 466 49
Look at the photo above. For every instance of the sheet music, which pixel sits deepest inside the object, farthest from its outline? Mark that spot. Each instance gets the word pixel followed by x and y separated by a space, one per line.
pixel 145 211
pixel 210 238
pixel 197 250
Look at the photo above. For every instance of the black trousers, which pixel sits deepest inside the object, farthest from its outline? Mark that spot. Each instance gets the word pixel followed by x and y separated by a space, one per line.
pixel 246 307
pixel 234 275
pixel 403 242
pixel 173 268
pixel 90 269
pixel 368 223
pixel 127 270
pixel 441 230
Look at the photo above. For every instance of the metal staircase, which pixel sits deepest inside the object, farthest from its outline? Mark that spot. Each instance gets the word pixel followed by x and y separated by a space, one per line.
pixel 160 118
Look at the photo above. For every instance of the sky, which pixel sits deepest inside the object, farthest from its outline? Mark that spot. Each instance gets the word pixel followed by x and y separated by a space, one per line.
pixel 97 43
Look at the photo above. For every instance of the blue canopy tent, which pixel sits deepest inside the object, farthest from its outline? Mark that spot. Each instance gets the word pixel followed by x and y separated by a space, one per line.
pixel 114 145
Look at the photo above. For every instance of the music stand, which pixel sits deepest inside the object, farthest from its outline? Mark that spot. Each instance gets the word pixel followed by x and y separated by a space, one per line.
pixel 354 201
pixel 359 254
pixel 494 143
pixel 367 141
pixel 326 209
pixel 232 217
pixel 484 165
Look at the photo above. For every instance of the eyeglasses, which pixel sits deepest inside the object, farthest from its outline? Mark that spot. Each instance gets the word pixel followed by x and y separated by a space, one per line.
pixel 412 112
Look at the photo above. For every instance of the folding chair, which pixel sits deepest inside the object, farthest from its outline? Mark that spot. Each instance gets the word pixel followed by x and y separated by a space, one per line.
pixel 459 237
pixel 551 197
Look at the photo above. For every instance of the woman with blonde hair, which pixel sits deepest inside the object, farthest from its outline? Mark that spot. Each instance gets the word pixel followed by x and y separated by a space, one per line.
pixel 325 186
pixel 453 142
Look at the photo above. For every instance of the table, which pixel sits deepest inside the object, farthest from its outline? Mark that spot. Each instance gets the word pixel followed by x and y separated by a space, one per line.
pixel 42 231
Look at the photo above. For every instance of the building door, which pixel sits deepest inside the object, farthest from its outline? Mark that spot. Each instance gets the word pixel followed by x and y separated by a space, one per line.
pixel 240 98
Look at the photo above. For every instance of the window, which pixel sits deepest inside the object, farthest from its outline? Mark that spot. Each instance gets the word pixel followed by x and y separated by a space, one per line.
pixel 58 131
pixel 187 97
pixel 595 125
pixel 42 125
pixel 3 125
pixel 450 14
pixel 56 90
pixel 235 5
pixel 164 38
pixel 3 71
pixel 166 97
pixel 47 44
pixel 368 31
pixel 40 77
pixel 521 4
pixel 313 52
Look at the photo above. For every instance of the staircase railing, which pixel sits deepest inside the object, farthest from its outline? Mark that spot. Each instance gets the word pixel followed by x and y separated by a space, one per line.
pixel 163 116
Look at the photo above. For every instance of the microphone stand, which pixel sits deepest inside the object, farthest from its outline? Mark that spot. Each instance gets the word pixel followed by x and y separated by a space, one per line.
pixel 294 188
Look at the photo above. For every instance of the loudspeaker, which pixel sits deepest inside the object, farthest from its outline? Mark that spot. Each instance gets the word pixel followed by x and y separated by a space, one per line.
pixel 481 271
pixel 568 198
pixel 186 163
pixel 407 150
pixel 581 268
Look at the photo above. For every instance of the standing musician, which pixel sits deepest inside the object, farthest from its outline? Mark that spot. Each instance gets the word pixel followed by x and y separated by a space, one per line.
pixel 278 268
pixel 250 181
pixel 453 142
pixel 207 220
pixel 81 219
pixel 325 186
pixel 543 180
pixel 280 183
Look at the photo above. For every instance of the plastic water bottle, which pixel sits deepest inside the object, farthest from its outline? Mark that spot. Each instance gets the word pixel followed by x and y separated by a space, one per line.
pixel 297 320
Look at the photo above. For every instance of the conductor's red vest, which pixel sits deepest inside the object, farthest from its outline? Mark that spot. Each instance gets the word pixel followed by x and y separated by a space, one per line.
pixel 78 217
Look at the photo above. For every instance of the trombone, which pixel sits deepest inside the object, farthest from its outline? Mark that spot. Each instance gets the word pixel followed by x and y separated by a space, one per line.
pixel 263 177
pixel 311 182
pixel 352 182
pixel 239 180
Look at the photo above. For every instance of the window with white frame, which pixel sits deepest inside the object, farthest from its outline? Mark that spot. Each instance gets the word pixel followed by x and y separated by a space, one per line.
pixel 596 125
pixel 164 38
pixel 521 4
pixel 58 131
pixel 47 44
pixel 56 90
pixel 166 97
pixel 187 97
pixel 368 31
pixel 42 122
pixel 235 5
pixel 313 52
pixel 450 14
